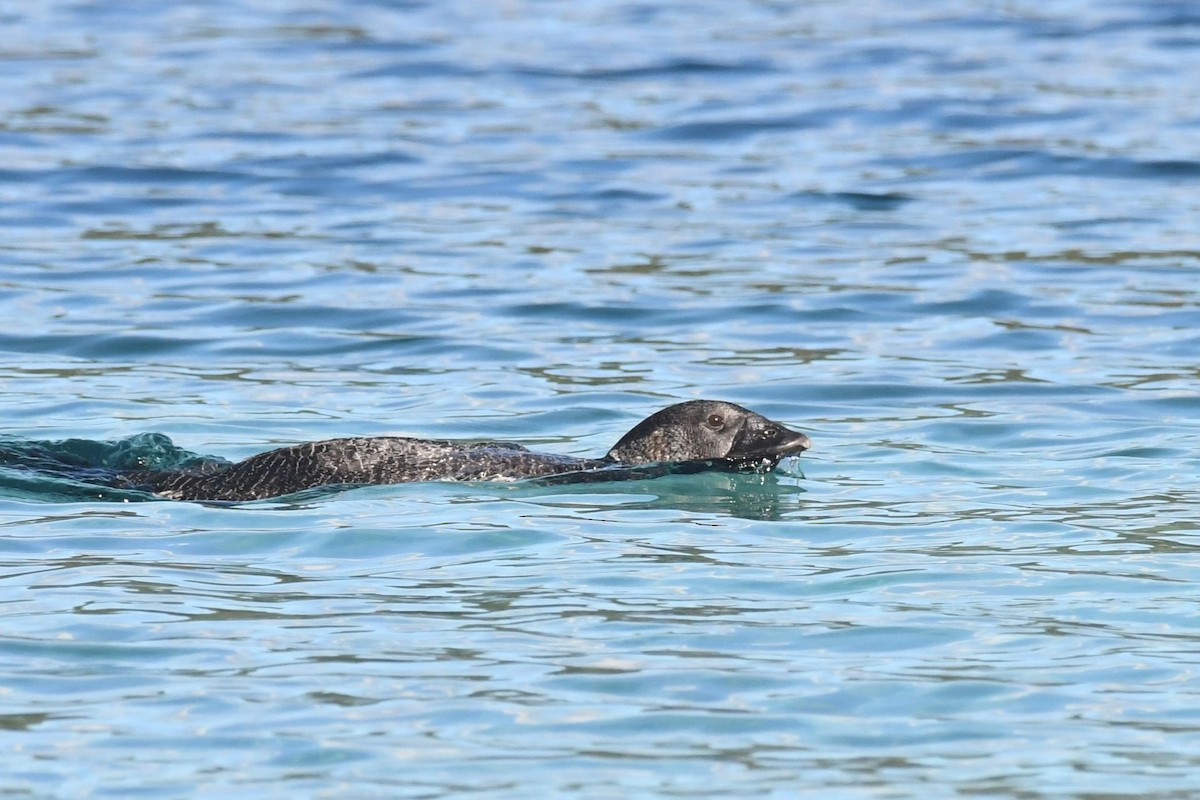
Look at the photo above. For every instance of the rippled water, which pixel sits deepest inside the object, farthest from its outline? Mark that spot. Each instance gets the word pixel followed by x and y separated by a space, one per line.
pixel 954 243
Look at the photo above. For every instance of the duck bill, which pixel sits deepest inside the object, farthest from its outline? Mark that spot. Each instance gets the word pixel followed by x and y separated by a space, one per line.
pixel 793 443
pixel 769 442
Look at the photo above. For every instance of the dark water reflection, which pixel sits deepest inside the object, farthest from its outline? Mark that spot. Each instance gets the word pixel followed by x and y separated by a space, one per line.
pixel 752 497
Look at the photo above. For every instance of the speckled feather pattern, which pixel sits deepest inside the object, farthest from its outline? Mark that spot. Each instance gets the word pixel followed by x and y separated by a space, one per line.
pixel 697 434
pixel 374 460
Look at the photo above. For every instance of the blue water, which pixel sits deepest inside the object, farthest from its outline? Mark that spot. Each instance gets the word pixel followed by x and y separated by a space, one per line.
pixel 954 243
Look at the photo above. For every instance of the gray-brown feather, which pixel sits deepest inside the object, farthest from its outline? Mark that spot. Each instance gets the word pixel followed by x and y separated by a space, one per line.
pixel 374 460
pixel 688 436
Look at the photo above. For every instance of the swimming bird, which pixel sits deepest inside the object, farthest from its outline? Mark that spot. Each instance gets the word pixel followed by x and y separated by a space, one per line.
pixel 692 436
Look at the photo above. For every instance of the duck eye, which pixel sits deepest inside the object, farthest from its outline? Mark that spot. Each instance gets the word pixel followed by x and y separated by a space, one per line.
pixel 715 421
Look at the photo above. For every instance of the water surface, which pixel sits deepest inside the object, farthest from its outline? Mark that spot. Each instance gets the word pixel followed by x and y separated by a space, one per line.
pixel 954 244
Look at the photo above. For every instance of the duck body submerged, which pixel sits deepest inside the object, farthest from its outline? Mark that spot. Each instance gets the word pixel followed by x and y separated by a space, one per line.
pixel 687 437
pixel 362 461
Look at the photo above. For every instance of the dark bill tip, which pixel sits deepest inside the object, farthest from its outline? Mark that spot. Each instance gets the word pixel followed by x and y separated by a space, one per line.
pixel 793 442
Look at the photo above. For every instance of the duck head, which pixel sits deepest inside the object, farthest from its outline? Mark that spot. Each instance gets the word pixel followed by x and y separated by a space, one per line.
pixel 701 430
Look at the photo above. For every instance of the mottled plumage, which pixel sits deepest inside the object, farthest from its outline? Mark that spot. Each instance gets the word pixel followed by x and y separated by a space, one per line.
pixel 703 434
